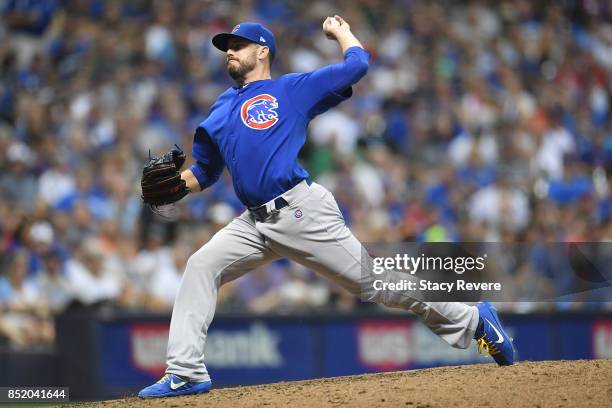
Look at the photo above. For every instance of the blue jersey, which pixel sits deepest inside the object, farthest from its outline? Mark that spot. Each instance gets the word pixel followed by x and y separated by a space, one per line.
pixel 257 130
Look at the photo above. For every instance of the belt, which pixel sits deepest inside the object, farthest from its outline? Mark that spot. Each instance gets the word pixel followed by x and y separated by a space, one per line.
pixel 271 207
pixel 264 211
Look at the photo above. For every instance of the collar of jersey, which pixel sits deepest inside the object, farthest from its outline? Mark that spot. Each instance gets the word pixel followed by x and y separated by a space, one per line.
pixel 251 85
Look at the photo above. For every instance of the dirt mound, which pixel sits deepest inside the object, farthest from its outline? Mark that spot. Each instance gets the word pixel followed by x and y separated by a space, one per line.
pixel 528 384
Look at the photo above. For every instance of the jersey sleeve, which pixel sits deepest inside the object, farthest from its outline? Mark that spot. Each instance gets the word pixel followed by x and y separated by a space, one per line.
pixel 209 162
pixel 315 92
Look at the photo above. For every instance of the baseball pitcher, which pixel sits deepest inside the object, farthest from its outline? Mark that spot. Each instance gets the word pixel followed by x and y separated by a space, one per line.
pixel 257 129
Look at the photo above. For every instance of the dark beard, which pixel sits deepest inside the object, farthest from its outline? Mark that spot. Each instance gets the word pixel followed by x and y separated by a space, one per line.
pixel 238 73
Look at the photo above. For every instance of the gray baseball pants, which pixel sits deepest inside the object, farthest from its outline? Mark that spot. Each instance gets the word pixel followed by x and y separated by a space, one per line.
pixel 310 231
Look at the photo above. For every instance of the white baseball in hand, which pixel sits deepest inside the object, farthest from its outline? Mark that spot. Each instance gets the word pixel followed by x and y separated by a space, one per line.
pixel 330 23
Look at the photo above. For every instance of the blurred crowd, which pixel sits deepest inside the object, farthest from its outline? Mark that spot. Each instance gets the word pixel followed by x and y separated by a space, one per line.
pixel 477 121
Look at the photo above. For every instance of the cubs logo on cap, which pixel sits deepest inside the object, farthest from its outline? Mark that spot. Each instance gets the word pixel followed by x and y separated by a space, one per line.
pixel 253 32
pixel 260 113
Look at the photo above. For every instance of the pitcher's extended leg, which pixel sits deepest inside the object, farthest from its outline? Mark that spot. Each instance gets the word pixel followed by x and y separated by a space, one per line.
pixel 232 251
pixel 319 239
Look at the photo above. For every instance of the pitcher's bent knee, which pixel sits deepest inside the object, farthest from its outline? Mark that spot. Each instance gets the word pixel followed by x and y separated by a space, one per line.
pixel 201 266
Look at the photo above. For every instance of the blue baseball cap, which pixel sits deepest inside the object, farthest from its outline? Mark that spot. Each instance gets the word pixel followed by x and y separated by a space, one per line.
pixel 254 32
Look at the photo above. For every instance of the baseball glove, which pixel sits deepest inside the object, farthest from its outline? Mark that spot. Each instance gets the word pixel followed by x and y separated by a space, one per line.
pixel 161 179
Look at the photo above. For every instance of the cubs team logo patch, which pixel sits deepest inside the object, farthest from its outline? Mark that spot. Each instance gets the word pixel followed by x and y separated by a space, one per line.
pixel 260 112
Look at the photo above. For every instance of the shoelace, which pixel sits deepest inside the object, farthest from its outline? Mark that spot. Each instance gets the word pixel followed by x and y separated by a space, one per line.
pixel 486 347
pixel 161 380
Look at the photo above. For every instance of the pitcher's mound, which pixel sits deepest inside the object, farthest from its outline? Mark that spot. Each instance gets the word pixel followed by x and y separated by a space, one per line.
pixel 529 384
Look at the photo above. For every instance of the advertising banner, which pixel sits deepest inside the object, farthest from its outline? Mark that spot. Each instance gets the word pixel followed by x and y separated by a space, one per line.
pixel 244 351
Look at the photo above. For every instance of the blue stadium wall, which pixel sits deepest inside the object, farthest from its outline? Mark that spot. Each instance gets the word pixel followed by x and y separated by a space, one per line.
pixel 115 355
